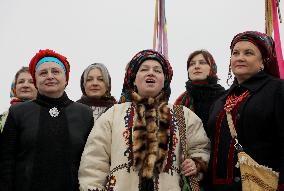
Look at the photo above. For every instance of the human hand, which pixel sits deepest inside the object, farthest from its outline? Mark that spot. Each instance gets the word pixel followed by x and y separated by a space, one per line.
pixel 188 167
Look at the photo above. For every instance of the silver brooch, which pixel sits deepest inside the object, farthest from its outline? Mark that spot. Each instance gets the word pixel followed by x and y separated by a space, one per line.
pixel 237 165
pixel 54 112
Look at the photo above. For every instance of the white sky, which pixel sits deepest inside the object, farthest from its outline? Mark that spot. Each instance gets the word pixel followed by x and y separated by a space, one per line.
pixel 111 32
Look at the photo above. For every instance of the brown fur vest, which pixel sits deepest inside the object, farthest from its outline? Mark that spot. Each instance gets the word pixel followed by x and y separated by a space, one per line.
pixel 150 134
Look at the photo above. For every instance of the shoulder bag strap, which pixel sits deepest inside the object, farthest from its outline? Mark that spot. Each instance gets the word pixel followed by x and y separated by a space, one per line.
pixel 233 131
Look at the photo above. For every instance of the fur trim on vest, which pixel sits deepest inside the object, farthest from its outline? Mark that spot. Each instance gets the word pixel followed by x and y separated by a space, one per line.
pixel 150 134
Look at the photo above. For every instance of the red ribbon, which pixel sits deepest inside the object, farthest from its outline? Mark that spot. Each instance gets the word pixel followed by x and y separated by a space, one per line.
pixel 277 39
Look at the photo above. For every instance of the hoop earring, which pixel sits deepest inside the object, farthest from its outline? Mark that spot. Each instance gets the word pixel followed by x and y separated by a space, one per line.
pixel 230 76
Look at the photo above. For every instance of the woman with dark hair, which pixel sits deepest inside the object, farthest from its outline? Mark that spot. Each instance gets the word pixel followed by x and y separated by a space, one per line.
pixel 22 89
pixel 202 87
pixel 43 139
pixel 255 103
pixel 135 145
pixel 96 89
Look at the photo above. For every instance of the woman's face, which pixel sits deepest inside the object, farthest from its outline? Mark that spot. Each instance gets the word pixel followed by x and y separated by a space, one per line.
pixel 150 79
pixel 50 79
pixel 198 68
pixel 246 60
pixel 95 85
pixel 25 88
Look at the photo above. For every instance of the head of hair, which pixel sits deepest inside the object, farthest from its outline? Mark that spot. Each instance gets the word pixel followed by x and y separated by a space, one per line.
pixel 24 69
pixel 105 75
pixel 208 58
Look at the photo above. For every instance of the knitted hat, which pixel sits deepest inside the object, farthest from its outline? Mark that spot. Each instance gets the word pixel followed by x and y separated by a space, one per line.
pixel 133 67
pixel 61 60
pixel 266 46
pixel 105 75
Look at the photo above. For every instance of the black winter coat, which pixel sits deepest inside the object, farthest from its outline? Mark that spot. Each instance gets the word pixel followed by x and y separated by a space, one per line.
pixel 260 129
pixel 41 152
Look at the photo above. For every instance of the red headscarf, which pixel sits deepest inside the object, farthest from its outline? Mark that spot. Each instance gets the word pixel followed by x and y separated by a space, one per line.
pixel 48 53
pixel 266 46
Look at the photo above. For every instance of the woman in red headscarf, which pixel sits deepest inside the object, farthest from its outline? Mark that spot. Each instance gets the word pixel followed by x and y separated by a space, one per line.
pixel 255 101
pixel 43 139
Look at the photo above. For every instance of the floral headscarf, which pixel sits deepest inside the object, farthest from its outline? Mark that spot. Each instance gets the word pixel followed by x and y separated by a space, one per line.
pixel 133 67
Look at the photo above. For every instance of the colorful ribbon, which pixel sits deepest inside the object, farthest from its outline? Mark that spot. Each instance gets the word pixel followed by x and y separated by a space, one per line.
pixel 160 40
pixel 277 38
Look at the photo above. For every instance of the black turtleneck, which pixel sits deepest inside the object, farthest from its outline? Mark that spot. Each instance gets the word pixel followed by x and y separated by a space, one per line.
pixel 204 95
pixel 51 160
pixel 49 102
